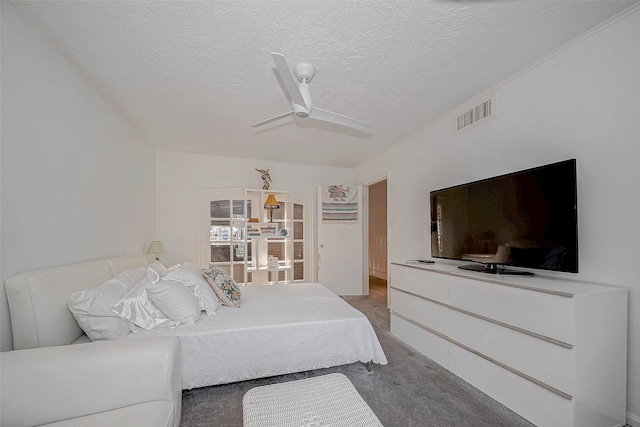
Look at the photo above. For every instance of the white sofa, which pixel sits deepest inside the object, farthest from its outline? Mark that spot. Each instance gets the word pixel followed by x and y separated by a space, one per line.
pixel 44 380
pixel 114 383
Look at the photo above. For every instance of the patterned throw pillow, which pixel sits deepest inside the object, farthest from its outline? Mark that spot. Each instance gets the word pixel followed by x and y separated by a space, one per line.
pixel 224 286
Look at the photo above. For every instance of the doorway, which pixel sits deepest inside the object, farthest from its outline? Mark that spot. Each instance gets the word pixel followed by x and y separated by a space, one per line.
pixel 377 238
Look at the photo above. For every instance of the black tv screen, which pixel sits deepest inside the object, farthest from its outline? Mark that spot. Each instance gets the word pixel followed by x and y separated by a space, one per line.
pixel 523 219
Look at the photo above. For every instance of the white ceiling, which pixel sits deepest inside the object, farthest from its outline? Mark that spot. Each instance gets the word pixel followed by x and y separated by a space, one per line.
pixel 194 75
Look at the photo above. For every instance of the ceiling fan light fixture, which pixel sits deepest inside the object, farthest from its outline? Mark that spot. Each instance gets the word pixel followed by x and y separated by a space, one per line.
pixel 300 111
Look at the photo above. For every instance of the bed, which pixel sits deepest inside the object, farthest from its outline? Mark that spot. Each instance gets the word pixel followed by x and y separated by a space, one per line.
pixel 276 330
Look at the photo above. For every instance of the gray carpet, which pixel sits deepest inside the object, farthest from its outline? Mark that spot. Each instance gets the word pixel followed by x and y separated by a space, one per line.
pixel 411 390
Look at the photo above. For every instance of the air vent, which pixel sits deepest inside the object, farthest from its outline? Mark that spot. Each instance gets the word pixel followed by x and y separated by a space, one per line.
pixel 471 117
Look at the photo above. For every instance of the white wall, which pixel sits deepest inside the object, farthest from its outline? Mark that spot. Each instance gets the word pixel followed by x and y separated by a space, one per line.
pixel 181 175
pixel 77 181
pixel 581 103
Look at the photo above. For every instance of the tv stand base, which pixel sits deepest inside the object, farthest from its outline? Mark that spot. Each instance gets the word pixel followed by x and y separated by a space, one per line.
pixel 492 268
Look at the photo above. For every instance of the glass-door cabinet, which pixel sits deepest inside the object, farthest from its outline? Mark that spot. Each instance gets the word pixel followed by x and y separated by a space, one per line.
pixel 252 242
pixel 222 217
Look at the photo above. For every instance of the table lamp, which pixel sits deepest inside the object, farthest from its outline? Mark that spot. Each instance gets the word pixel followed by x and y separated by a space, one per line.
pixel 156 247
pixel 271 204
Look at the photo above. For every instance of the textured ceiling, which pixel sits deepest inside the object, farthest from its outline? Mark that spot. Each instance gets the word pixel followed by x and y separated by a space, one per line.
pixel 194 75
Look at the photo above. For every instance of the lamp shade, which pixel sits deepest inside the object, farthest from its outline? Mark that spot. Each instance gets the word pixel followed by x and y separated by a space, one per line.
pixel 156 247
pixel 271 202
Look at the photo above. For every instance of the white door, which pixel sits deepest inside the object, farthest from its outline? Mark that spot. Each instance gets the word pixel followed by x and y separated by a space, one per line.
pixel 340 249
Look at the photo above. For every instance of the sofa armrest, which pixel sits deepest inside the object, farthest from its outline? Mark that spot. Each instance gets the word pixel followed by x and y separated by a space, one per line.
pixel 49 384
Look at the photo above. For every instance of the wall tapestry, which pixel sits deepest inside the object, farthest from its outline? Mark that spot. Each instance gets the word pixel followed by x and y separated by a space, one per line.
pixel 340 203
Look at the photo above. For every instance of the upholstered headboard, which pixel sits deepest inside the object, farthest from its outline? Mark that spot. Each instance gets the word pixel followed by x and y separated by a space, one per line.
pixel 38 299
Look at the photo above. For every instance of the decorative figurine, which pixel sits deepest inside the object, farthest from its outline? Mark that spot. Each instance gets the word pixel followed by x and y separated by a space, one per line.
pixel 266 178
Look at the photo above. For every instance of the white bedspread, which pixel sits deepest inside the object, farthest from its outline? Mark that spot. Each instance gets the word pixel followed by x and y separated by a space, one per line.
pixel 277 330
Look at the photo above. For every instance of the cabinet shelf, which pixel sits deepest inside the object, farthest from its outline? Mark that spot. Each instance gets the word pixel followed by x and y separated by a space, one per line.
pixel 265 268
pixel 262 229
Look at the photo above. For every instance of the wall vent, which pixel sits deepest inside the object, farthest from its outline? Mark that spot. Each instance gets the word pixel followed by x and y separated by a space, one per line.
pixel 473 116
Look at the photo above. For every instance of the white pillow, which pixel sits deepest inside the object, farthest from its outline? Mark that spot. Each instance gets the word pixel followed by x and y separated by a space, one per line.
pixel 137 308
pixel 92 307
pixel 191 277
pixel 176 301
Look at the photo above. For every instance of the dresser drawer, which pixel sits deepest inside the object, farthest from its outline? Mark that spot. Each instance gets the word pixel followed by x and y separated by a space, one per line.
pixel 539 312
pixel 427 343
pixel 420 282
pixel 537 404
pixel 549 363
pixel 425 312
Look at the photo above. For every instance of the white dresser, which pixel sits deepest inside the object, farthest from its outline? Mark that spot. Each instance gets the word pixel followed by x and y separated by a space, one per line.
pixel 552 350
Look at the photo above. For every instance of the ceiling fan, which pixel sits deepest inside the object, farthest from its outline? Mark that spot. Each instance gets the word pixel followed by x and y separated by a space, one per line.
pixel 301 97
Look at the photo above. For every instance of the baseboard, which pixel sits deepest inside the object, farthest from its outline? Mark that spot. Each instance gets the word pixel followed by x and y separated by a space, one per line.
pixel 633 420
pixel 378 274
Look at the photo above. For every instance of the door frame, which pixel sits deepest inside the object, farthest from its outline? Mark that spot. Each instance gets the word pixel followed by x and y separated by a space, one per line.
pixel 365 232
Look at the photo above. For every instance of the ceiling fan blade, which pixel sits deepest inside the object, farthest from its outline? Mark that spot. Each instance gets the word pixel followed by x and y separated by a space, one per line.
pixel 273 119
pixel 289 81
pixel 328 116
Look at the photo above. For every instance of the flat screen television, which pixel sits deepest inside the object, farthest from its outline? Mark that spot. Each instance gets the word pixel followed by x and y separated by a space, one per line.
pixel 523 219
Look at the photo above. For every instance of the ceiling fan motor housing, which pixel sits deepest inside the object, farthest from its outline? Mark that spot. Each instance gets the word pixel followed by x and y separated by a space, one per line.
pixel 304 72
